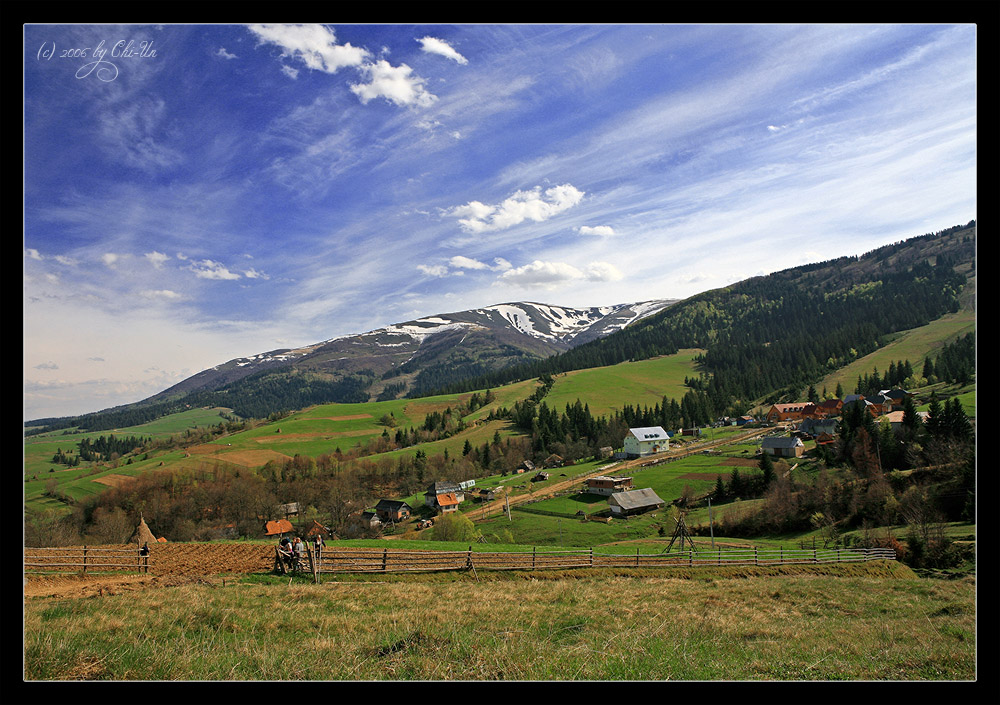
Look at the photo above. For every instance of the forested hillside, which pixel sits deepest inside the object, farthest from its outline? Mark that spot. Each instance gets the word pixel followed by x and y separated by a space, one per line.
pixel 786 330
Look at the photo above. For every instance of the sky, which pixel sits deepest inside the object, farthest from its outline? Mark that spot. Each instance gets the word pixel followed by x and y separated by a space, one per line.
pixel 198 193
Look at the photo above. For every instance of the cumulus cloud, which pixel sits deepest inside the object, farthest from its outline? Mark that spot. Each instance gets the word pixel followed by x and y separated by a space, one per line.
pixel 223 54
pixel 432 45
pixel 461 262
pixel 254 274
pixel 47 366
pixel 67 261
pixel 397 84
pixel 477 217
pixel 549 275
pixel 156 258
pixel 313 44
pixel 601 230
pixel 109 259
pixel 32 253
pixel 207 269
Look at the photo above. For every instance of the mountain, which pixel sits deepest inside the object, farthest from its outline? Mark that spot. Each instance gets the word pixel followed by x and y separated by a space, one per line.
pixel 420 354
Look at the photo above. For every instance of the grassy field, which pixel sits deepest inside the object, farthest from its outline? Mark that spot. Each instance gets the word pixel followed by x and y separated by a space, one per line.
pixel 913 345
pixel 857 624
pixel 643 383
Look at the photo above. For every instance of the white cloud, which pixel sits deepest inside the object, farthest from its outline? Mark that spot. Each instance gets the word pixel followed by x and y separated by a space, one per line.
pixel 433 45
pixel 467 263
pixel 156 258
pixel 312 44
pixel 603 272
pixel 109 259
pixel 254 274
pixel 397 84
pixel 32 254
pixel 160 294
pixel 602 230
pixel 207 269
pixel 67 261
pixel 292 73
pixel 477 217
pixel 434 270
pixel 222 53
pixel 549 275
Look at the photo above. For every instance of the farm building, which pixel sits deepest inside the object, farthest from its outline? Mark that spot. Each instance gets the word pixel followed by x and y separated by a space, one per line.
pixel 554 461
pixel 744 420
pixel 814 427
pixel 316 529
pixel 447 502
pixel 634 502
pixel 392 510
pixel 827 408
pixel 368 520
pixel 783 447
pixel 278 528
pixel 606 485
pixel 786 412
pixel 436 489
pixel 526 466
pixel 540 477
pixel 645 441
pixel 486 495
pixel 291 509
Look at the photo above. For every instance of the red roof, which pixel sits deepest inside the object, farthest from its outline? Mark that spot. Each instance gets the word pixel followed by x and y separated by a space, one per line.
pixel 447 499
pixel 281 526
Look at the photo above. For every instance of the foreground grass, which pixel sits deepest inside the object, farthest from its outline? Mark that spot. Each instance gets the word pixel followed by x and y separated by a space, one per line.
pixel 516 627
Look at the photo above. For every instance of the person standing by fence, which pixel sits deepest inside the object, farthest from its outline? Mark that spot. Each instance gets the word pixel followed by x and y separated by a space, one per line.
pixel 318 544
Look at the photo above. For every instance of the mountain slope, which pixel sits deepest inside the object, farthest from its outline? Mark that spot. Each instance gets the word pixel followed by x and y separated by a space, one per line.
pixel 410 357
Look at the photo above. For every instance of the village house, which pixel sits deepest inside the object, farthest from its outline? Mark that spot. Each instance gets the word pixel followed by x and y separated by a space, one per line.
pixel 814 427
pixel 786 412
pixel 607 485
pixel 437 489
pixel 277 528
pixel 744 420
pixel 486 495
pixel 634 502
pixel 393 510
pixel 828 407
pixel 783 447
pixel 553 461
pixel 645 441
pixel 526 466
pixel 447 502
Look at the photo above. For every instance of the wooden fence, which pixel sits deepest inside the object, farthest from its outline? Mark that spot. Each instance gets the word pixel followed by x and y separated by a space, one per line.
pixel 85 560
pixel 403 561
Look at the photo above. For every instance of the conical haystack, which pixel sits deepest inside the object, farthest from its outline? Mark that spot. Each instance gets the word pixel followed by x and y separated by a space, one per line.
pixel 143 534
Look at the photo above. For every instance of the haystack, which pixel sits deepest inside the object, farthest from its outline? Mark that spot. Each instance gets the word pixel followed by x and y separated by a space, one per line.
pixel 143 534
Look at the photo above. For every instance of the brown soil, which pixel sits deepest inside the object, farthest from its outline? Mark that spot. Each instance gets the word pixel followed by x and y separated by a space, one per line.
pixel 113 480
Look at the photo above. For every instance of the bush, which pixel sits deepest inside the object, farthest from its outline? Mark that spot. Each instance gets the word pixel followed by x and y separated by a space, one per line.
pixel 454 527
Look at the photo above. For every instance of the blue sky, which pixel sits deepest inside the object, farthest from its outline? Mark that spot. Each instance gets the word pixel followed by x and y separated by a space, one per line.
pixel 211 192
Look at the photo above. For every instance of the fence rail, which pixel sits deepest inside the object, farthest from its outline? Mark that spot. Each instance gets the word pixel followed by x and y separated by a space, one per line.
pixel 85 559
pixel 403 561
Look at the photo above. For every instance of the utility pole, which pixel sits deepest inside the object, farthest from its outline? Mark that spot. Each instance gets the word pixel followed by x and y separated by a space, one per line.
pixel 711 527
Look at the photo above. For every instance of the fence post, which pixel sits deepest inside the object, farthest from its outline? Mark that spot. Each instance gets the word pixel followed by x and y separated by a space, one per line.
pixel 690 557
pixel 468 560
pixel 385 558
pixel 781 554
pixel 533 549
pixel 815 560
pixel 636 556
pixel 84 560
pixel 312 563
pixel 591 556
pixel 755 556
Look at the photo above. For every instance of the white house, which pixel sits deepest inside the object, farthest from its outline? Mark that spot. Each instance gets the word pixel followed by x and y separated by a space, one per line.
pixel 644 441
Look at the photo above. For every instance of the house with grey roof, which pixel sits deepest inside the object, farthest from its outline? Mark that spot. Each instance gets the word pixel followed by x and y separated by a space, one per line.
pixel 634 502
pixel 645 441
pixel 783 447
